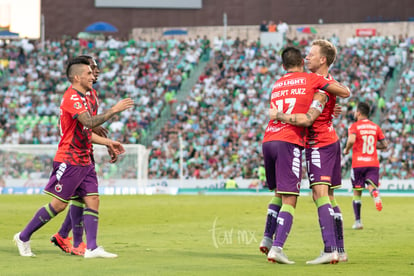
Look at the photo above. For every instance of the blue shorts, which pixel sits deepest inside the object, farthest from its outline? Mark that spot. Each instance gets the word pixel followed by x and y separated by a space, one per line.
pixel 283 165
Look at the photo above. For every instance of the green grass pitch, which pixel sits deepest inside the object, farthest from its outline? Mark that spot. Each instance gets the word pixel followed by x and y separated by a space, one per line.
pixel 210 235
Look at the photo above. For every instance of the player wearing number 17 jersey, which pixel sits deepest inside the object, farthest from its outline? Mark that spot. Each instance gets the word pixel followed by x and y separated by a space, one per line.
pixel 282 147
pixel 363 136
pixel 323 154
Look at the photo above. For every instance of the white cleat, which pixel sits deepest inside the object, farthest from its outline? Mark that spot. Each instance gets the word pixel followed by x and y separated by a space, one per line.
pixel 24 247
pixel 265 245
pixel 357 225
pixel 326 258
pixel 342 257
pixel 276 255
pixel 98 252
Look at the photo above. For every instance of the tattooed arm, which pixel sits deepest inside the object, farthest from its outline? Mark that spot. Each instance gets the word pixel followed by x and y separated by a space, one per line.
pixel 93 121
pixel 382 144
pixel 301 119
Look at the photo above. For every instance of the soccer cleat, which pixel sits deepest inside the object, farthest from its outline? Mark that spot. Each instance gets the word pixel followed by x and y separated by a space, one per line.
pixel 62 243
pixel 342 257
pixel 326 258
pixel 98 252
pixel 24 247
pixel 265 245
pixel 357 225
pixel 377 200
pixel 80 250
pixel 276 255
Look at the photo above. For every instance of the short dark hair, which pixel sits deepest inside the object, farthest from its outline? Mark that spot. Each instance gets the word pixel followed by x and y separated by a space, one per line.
pixel 72 62
pixel 364 109
pixel 86 56
pixel 291 57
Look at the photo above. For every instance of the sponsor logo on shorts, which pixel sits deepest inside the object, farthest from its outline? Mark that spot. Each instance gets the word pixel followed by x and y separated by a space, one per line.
pixel 58 187
pixel 325 178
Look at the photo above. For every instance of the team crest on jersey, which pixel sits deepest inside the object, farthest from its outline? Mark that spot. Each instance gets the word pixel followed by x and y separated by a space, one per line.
pixel 58 187
pixel 77 105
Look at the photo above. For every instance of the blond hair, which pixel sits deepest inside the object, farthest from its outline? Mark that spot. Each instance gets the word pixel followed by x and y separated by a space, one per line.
pixel 326 49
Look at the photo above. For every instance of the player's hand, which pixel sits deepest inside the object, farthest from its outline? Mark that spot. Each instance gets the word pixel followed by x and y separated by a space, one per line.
pixel 113 155
pixel 346 151
pixel 116 147
pixel 337 110
pixel 122 105
pixel 272 112
pixel 101 131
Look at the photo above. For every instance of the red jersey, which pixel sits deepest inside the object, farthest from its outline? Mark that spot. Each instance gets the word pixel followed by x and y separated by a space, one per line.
pixel 92 97
pixel 92 101
pixel 364 150
pixel 293 93
pixel 75 145
pixel 322 132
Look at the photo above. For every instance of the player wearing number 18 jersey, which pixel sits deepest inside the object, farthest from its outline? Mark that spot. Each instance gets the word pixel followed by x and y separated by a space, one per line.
pixel 363 136
pixel 282 147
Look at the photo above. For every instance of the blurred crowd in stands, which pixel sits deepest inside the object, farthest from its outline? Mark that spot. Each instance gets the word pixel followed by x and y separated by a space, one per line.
pixel 220 124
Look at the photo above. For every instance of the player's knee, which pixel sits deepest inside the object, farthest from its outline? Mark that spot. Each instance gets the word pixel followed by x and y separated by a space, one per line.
pixel 58 205
pixel 92 202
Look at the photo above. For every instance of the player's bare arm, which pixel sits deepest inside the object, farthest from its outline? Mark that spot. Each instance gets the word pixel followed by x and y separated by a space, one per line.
pixel 302 119
pixel 382 144
pixel 338 89
pixel 112 154
pixel 101 131
pixel 115 146
pixel 349 143
pixel 93 121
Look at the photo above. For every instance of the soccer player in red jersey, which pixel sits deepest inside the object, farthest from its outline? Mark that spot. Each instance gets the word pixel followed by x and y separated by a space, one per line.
pixel 73 220
pixel 363 136
pixel 323 155
pixel 283 144
pixel 73 172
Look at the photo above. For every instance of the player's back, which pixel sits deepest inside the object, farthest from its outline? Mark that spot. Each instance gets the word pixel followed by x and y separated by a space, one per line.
pixel 293 93
pixel 364 150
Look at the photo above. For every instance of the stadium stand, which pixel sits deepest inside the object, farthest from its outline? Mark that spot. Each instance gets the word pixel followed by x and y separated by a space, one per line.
pixel 220 120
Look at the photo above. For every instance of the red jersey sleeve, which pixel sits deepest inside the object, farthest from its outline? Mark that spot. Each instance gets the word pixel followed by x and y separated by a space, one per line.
pixel 352 130
pixel 319 81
